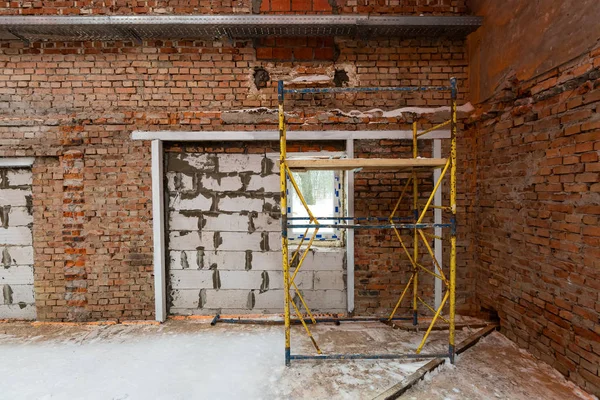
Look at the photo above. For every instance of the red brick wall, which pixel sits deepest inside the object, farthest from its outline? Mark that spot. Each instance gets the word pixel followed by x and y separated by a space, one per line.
pixel 74 105
pixel 536 146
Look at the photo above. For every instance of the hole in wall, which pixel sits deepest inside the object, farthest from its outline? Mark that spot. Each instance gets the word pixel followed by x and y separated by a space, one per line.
pixel 261 78
pixel 340 78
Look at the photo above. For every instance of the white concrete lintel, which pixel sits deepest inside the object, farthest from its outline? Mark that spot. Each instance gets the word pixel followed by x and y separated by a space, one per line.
pixel 223 136
pixel 16 162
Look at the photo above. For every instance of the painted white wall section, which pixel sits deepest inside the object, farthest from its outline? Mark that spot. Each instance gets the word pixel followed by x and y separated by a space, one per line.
pixel 224 240
pixel 16 243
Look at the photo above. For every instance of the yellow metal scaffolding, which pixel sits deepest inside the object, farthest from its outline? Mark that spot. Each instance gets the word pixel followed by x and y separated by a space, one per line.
pixel 416 224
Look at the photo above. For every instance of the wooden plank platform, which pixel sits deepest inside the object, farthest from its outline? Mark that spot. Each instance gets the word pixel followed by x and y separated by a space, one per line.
pixel 366 163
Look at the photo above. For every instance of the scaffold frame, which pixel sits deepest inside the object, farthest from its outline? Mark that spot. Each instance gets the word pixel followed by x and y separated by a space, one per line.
pixel 412 165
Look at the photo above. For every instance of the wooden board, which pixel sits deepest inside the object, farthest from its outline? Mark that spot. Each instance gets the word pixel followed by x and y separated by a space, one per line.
pixel 366 163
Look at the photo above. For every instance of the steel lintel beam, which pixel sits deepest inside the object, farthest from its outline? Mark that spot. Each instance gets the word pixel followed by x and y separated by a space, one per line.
pixel 126 27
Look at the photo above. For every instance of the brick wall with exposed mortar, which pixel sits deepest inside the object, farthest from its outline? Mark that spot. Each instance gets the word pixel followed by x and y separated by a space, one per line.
pixel 535 148
pixel 86 98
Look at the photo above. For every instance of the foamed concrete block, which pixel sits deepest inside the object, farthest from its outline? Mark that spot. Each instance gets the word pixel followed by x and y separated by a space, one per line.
pixel 272 205
pixel 180 182
pixel 266 260
pixel 240 202
pixel 271 301
pixel 200 202
pixel 188 240
pixel 274 241
pixel 20 311
pixel 19 216
pixel 325 300
pixel 252 279
pixel 14 294
pixel 19 177
pixel 14 197
pixel 16 275
pixel 237 299
pixel 266 222
pixel 16 255
pixel 182 221
pixel 240 163
pixel 221 222
pixel 191 279
pixel 269 183
pixel 242 241
pixel 222 184
pixel 304 279
pixel 325 259
pixel 184 299
pixel 329 280
pixel 16 235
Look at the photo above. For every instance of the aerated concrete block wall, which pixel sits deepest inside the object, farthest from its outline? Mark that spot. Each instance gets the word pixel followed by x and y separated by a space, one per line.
pixel 16 244
pixel 224 245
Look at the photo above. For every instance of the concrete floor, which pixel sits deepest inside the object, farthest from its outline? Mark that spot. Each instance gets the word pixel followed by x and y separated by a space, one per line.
pixel 191 359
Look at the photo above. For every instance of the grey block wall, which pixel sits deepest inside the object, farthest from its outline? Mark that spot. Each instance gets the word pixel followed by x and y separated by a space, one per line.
pixel 16 245
pixel 224 242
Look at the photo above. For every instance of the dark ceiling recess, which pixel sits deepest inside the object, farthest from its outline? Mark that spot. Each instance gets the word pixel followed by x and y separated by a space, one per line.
pixel 141 27
pixel 261 78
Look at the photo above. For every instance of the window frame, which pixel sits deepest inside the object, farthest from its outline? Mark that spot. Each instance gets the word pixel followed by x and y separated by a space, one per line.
pixel 328 239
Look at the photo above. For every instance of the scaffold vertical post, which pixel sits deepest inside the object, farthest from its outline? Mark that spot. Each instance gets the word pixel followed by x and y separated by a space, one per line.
pixel 415 154
pixel 284 238
pixel 453 220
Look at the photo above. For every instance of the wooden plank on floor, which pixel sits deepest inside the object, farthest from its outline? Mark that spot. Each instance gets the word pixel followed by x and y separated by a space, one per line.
pixel 399 389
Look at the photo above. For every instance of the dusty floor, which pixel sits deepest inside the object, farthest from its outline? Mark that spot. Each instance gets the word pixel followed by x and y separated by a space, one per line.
pixel 191 359
pixel 496 369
